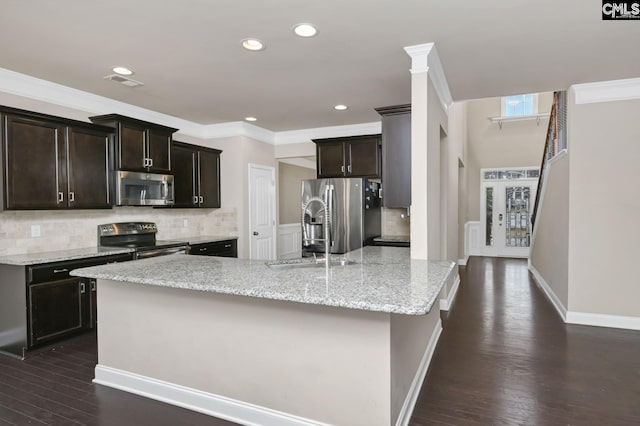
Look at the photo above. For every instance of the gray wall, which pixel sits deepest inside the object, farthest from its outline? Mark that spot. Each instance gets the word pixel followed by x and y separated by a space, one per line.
pixel 289 198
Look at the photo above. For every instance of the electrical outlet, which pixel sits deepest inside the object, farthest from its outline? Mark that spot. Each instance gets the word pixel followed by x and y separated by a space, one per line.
pixel 185 223
pixel 35 230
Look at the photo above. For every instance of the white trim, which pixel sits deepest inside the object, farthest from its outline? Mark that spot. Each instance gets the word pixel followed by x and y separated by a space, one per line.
pixel 447 303
pixel 562 153
pixel 196 400
pixel 274 227
pixel 424 58
pixel 539 279
pixel 306 135
pixel 463 261
pixel 603 320
pixel 607 91
pixel 300 162
pixel 412 396
pixel 57 94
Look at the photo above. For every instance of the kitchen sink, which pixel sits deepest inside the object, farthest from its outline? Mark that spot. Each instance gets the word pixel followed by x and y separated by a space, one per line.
pixel 307 262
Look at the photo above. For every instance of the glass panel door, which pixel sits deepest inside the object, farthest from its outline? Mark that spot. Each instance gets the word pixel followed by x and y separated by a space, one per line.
pixel 517 209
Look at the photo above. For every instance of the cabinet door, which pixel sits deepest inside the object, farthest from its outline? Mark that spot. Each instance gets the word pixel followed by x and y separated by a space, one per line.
pixel 88 166
pixel 131 147
pixel 184 175
pixel 209 179
pixel 363 157
pixel 330 159
pixel 396 167
pixel 35 164
pixel 159 151
pixel 56 309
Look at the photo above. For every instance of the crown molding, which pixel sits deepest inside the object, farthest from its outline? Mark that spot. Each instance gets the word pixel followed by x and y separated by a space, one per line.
pixel 307 135
pixel 425 59
pixel 607 91
pixel 65 96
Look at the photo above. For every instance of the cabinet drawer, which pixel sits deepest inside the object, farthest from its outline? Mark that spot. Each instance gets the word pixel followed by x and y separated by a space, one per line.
pixel 60 270
pixel 227 248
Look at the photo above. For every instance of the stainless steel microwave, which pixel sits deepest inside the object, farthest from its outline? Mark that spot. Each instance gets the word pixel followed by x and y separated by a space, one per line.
pixel 143 189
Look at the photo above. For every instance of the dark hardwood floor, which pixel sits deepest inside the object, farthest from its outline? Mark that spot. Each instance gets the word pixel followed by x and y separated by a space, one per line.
pixel 504 358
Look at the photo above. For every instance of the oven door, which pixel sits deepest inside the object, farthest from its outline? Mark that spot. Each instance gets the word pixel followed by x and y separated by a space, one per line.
pixel 160 252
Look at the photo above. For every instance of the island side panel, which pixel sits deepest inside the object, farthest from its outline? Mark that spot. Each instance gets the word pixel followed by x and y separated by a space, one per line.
pixel 13 310
pixel 323 363
pixel 413 340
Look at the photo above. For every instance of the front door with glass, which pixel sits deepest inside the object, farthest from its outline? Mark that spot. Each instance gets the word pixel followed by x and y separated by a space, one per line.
pixel 508 196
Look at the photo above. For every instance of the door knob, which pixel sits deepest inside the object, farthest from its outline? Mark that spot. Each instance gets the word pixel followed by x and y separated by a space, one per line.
pixel 255 233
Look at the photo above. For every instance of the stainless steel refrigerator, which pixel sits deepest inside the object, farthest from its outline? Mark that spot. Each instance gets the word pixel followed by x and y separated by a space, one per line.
pixel 355 218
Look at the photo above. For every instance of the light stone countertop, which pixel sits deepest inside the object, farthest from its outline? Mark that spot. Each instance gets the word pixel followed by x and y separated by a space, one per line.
pixel 208 239
pixel 61 255
pixel 384 279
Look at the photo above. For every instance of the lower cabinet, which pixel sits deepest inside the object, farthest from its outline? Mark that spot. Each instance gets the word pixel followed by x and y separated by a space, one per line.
pixel 59 305
pixel 226 248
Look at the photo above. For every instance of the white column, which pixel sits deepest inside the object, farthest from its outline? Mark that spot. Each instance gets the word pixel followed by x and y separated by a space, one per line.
pixel 430 100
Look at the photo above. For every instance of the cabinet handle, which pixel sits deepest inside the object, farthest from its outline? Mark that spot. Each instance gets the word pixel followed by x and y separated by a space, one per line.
pixel 349 168
pixel 59 271
pixel 342 169
pixel 195 199
pixel 145 162
pixel 72 197
pixel 203 249
pixel 150 162
pixel 82 289
pixel 93 285
pixel 227 246
pixel 201 199
pixel 60 197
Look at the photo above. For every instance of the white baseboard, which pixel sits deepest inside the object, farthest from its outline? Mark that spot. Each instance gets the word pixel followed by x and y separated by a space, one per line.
pixel 416 385
pixel 584 318
pixel 446 304
pixel 562 310
pixel 192 399
pixel 463 262
pixel 603 320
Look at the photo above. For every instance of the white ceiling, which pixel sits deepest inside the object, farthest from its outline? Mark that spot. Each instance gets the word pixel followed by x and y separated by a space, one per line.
pixel 189 58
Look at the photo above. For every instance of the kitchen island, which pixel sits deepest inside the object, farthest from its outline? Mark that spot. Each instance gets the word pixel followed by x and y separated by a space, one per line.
pixel 345 345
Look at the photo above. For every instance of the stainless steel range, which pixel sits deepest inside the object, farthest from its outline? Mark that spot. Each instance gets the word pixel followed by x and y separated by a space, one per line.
pixel 140 236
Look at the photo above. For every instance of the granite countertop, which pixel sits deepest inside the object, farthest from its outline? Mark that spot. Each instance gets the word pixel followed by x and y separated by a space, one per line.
pixel 61 255
pixel 208 239
pixel 383 279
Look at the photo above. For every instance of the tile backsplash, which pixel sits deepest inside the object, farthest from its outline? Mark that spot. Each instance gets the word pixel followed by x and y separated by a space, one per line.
pixel 69 229
pixel 394 224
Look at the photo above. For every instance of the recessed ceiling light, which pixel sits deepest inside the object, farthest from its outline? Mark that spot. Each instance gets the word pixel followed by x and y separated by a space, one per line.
pixel 340 107
pixel 122 70
pixel 252 44
pixel 251 119
pixel 305 30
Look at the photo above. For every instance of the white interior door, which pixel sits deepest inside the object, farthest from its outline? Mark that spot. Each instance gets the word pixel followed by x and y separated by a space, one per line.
pixel 506 217
pixel 262 212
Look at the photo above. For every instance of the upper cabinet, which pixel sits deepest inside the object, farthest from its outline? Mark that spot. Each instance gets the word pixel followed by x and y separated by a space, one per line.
pixel 196 172
pixel 139 145
pixel 396 156
pixel 354 156
pixel 53 163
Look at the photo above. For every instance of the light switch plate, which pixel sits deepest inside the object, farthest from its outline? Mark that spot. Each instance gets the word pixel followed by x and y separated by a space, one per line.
pixel 35 230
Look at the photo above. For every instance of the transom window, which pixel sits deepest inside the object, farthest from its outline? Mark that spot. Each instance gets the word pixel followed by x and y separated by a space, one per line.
pixel 520 105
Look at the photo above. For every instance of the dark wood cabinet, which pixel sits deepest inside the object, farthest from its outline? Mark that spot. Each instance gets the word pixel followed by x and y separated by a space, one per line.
pixel 58 304
pixel 355 156
pixel 396 156
pixel 52 163
pixel 196 173
pixel 139 145
pixel 226 248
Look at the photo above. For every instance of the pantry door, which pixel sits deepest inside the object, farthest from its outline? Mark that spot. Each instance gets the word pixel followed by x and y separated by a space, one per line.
pixel 506 216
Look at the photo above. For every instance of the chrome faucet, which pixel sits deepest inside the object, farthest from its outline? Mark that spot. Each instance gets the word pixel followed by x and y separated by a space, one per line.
pixel 327 205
